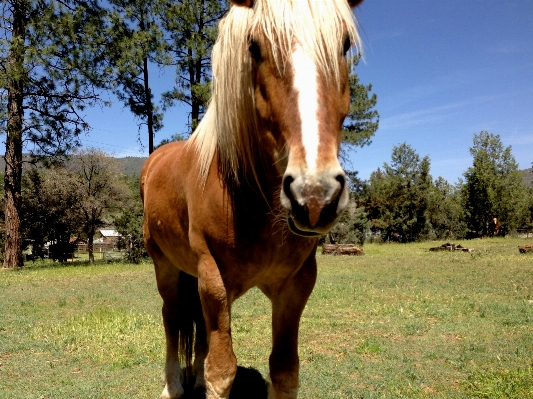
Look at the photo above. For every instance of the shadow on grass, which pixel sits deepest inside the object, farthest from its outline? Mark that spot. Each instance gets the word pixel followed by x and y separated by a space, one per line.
pixel 248 384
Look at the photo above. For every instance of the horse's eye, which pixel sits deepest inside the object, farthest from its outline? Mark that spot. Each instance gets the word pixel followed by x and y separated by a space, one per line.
pixel 255 50
pixel 347 45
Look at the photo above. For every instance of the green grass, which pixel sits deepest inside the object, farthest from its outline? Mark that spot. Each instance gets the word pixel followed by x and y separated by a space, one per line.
pixel 398 322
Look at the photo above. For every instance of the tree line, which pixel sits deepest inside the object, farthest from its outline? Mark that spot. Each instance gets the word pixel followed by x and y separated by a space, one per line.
pixel 402 202
pixel 58 57
pixel 399 202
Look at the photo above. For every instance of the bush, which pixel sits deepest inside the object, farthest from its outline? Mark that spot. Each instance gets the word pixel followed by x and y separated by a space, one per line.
pixel 351 227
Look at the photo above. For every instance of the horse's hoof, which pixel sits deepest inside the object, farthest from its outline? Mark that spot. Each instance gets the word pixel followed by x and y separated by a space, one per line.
pixel 172 393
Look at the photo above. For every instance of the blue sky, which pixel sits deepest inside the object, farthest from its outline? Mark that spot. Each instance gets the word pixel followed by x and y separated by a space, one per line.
pixel 442 70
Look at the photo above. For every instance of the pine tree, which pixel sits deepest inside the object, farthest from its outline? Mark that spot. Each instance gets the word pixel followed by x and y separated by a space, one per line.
pixel 362 121
pixel 396 198
pixel 495 195
pixel 50 55
pixel 191 27
pixel 137 44
pixel 445 213
pixel 163 34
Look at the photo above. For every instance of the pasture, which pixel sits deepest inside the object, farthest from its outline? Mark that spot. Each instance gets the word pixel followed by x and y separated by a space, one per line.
pixel 399 322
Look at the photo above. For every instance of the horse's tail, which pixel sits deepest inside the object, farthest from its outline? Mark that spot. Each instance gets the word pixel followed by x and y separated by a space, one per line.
pixel 190 309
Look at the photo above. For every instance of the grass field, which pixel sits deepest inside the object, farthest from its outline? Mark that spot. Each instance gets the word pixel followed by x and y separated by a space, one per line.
pixel 399 322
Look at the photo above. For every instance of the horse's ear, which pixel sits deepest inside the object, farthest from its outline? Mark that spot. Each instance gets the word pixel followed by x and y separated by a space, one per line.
pixel 354 3
pixel 244 3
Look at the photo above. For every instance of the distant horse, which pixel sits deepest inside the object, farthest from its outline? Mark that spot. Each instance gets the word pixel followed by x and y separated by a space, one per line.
pixel 242 203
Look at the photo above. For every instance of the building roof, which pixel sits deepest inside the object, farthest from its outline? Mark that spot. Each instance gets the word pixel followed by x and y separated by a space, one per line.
pixel 109 233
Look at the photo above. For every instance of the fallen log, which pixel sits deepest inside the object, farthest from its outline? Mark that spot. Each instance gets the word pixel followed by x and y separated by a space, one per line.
pixel 463 249
pixel 451 247
pixel 341 249
pixel 443 247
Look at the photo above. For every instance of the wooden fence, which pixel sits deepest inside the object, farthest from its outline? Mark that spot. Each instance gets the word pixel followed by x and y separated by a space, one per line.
pixel 97 247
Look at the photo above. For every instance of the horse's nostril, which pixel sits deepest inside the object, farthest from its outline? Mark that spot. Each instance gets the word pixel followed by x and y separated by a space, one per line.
pixel 287 181
pixel 342 180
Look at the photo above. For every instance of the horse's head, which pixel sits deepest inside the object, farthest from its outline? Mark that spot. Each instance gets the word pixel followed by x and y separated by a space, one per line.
pixel 302 95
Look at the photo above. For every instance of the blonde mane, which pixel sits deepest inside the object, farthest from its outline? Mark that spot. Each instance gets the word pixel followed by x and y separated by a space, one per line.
pixel 229 127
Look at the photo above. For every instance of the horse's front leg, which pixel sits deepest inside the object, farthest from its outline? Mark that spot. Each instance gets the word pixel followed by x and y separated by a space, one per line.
pixel 220 362
pixel 287 308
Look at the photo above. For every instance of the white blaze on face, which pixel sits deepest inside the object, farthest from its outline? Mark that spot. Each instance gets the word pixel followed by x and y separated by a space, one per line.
pixel 306 85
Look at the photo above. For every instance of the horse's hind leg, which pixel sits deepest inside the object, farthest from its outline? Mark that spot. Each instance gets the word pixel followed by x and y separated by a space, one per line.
pixel 181 308
pixel 167 283
pixel 287 308
pixel 200 351
pixel 172 374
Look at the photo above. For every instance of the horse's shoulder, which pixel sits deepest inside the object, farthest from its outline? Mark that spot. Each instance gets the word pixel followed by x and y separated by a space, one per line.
pixel 164 156
pixel 163 162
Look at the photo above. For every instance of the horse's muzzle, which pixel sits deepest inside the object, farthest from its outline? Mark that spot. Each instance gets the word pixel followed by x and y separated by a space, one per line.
pixel 314 203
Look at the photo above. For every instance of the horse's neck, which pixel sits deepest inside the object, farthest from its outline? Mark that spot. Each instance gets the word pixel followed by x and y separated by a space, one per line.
pixel 255 197
pixel 255 193
pixel 260 189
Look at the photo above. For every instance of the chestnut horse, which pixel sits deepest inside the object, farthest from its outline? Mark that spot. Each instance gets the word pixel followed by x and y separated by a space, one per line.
pixel 242 203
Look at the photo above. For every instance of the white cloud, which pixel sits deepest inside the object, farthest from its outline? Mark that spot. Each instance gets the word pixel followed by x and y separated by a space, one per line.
pixel 429 115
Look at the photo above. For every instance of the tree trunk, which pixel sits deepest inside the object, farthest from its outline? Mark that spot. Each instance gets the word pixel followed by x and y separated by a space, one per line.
pixel 90 245
pixel 195 70
pixel 195 109
pixel 149 107
pixel 147 92
pixel 13 157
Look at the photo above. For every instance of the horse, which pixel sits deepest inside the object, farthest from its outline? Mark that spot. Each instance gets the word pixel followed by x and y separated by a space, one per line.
pixel 243 202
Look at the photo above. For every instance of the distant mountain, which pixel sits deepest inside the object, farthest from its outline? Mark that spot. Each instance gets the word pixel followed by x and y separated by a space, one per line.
pixel 3 163
pixel 127 165
pixel 131 165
